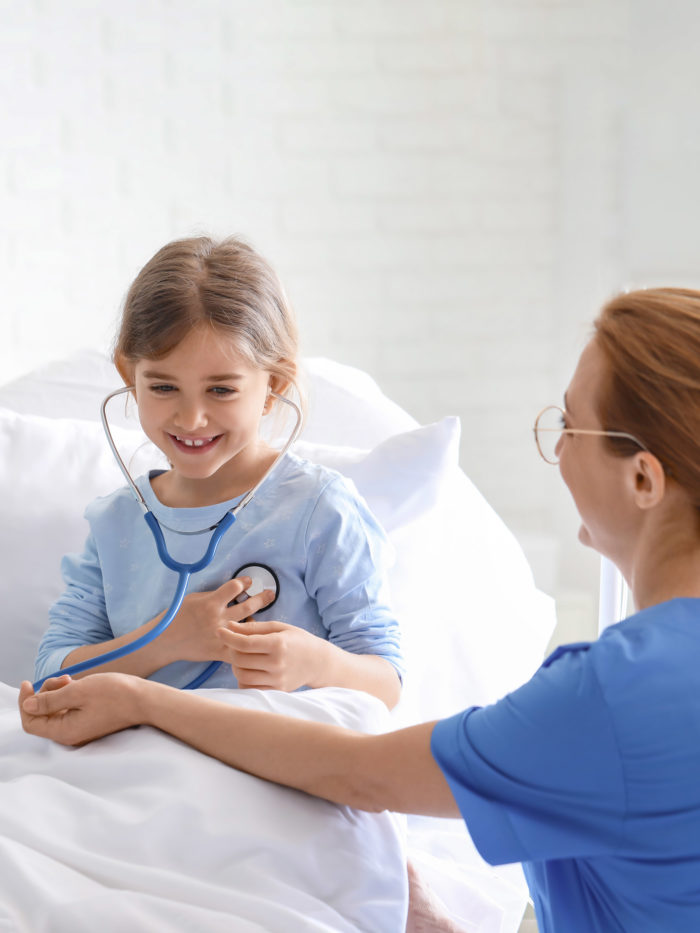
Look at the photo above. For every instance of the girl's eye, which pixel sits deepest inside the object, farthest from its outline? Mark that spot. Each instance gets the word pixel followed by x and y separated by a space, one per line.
pixel 222 391
pixel 162 389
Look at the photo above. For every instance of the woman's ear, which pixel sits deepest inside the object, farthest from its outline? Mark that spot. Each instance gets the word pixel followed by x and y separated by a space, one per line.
pixel 649 480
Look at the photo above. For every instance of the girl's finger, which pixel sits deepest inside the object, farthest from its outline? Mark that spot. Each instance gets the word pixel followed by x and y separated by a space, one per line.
pixel 257 680
pixel 246 644
pixel 253 604
pixel 250 627
pixel 260 663
pixel 233 588
pixel 55 683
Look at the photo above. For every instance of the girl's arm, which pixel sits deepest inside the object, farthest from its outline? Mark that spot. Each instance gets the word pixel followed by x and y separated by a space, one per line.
pixel 392 771
pixel 80 628
pixel 340 668
pixel 346 565
pixel 278 656
pixel 193 635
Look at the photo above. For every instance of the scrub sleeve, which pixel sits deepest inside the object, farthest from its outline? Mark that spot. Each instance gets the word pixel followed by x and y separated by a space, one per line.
pixel 538 774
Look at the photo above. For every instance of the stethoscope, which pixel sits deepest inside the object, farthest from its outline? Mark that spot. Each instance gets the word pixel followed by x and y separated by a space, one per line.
pixel 262 577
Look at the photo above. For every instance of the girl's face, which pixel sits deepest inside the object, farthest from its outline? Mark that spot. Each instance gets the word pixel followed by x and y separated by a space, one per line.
pixel 202 405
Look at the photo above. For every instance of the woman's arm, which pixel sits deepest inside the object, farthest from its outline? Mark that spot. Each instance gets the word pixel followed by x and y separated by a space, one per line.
pixel 394 771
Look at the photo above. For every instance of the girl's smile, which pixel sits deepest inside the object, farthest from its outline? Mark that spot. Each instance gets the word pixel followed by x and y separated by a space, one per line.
pixel 195 445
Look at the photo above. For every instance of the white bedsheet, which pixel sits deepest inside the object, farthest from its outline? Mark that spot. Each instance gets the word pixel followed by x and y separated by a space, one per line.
pixel 139 832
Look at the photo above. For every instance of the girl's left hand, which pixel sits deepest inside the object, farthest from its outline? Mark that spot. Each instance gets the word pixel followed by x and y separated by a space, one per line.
pixel 273 655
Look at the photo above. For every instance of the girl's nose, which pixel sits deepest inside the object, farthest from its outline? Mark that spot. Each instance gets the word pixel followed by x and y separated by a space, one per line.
pixel 190 415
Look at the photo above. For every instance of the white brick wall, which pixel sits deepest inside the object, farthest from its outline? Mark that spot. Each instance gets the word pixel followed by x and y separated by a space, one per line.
pixel 437 181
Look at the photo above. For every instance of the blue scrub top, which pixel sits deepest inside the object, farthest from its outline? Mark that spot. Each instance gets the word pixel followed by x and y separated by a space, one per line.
pixel 589 775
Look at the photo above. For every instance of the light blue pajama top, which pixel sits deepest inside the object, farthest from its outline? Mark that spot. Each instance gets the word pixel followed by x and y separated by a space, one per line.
pixel 306 522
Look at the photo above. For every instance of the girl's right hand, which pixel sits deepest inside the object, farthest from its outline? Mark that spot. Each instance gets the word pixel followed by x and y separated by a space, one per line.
pixel 192 635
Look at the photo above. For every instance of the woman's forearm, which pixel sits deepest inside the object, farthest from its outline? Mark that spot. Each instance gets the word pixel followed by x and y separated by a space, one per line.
pixel 390 771
pixel 394 771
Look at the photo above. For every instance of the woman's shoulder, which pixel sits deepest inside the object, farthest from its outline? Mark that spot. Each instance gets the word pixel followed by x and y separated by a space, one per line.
pixel 653 652
pixel 663 637
pixel 649 630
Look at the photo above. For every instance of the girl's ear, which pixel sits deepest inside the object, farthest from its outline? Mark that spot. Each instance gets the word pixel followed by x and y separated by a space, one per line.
pixel 125 368
pixel 276 384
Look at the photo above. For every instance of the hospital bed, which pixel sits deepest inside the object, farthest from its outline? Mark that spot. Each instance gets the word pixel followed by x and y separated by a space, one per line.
pixel 140 832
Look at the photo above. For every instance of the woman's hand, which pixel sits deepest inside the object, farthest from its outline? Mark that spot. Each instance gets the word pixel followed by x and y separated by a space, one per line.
pixel 193 635
pixel 73 712
pixel 272 655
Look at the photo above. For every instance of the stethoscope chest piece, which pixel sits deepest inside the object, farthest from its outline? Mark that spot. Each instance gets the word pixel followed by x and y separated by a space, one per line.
pixel 263 577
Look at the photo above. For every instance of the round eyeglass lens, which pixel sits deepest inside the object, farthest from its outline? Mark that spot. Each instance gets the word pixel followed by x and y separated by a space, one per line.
pixel 549 427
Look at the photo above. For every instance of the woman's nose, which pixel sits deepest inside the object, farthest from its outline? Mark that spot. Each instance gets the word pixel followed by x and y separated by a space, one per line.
pixel 558 446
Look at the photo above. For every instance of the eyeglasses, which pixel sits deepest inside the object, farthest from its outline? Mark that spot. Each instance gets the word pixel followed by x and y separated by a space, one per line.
pixel 549 427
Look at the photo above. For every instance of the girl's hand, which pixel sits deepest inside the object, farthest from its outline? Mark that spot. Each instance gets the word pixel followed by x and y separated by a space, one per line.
pixel 273 655
pixel 193 635
pixel 73 712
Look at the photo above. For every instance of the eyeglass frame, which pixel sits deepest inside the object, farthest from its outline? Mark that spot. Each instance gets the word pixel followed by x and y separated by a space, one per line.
pixel 599 433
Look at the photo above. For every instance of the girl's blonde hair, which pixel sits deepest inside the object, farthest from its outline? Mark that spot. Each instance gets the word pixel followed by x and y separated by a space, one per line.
pixel 651 339
pixel 223 284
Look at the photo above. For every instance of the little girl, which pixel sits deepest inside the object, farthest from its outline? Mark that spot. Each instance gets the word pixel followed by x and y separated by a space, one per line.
pixel 205 338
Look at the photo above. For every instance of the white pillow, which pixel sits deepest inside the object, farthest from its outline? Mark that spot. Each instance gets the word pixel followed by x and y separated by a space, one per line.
pixel 72 387
pixel 401 477
pixel 49 470
pixel 474 624
pixel 346 407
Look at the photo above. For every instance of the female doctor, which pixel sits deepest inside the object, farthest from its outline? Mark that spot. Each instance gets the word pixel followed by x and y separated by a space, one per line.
pixel 589 774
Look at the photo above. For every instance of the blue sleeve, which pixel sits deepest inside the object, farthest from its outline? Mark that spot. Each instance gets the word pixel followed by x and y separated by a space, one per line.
pixel 538 775
pixel 79 616
pixel 348 558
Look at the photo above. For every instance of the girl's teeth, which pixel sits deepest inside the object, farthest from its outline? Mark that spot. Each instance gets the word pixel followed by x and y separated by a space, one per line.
pixel 198 442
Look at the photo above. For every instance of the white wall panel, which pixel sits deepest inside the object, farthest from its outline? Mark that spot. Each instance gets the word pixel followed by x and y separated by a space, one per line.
pixel 448 188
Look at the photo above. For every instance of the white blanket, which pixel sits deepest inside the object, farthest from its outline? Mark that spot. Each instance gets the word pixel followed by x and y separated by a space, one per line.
pixel 139 832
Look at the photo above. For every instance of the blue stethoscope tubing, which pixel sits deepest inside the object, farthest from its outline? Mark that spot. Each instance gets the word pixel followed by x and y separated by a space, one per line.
pixel 183 570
